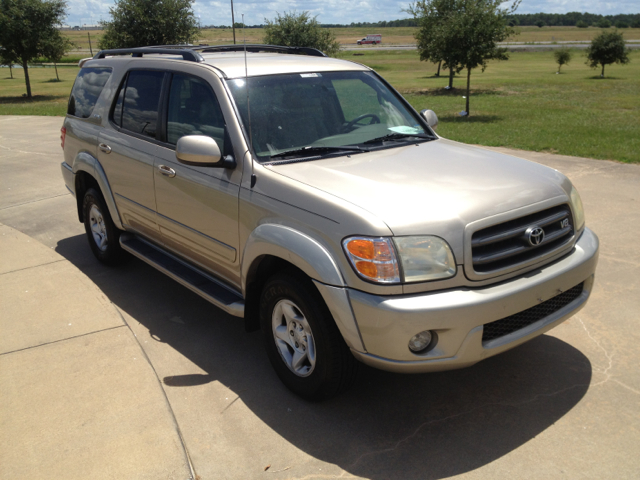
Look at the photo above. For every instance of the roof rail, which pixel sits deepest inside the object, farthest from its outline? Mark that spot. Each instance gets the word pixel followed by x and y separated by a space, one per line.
pixel 259 48
pixel 186 52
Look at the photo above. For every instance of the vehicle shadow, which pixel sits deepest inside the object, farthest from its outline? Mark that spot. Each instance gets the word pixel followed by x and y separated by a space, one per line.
pixel 389 425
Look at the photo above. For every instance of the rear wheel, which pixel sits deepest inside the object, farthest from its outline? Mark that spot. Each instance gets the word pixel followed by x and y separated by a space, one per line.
pixel 303 342
pixel 103 236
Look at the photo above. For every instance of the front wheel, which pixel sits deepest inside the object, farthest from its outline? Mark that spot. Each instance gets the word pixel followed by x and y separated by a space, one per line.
pixel 303 342
pixel 103 236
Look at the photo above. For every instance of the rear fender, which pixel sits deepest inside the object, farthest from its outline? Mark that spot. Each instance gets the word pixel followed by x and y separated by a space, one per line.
pixel 84 162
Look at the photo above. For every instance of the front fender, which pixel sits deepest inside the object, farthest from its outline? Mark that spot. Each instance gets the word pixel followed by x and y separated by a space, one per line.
pixel 85 162
pixel 313 259
pixel 293 246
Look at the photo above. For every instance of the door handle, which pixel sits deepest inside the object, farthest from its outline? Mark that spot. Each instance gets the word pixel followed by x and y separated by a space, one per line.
pixel 167 171
pixel 104 148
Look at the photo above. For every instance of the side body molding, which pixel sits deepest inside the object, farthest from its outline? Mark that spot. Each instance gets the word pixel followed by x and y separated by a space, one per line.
pixel 85 162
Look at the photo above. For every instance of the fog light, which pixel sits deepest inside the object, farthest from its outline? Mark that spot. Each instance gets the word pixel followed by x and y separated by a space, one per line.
pixel 420 341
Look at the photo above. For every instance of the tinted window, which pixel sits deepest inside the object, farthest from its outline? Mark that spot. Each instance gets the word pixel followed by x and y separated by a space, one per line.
pixel 137 107
pixel 328 109
pixel 193 110
pixel 86 90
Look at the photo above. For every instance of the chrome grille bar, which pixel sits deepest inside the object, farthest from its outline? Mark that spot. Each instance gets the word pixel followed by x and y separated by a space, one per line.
pixel 507 244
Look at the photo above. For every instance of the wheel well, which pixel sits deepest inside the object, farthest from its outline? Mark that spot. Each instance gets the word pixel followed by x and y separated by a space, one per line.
pixel 84 182
pixel 266 267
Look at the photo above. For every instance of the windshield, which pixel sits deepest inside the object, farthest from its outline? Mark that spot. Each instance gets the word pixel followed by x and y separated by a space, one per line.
pixel 317 113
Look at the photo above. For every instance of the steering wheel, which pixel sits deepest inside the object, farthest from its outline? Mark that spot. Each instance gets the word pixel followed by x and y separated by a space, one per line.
pixel 374 119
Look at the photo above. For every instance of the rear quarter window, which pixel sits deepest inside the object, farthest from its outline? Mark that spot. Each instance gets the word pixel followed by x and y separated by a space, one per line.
pixel 86 90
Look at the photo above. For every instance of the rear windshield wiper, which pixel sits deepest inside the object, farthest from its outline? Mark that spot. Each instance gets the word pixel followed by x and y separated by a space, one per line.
pixel 399 136
pixel 310 150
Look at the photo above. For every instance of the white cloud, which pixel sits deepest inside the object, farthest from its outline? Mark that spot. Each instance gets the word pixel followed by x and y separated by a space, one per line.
pixel 216 12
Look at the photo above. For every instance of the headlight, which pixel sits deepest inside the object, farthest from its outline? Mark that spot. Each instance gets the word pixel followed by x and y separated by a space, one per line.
pixel 403 259
pixel 578 209
pixel 425 258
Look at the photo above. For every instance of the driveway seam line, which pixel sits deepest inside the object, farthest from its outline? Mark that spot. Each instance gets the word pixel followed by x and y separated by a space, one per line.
pixel 166 398
pixel 33 201
pixel 61 340
pixel 33 266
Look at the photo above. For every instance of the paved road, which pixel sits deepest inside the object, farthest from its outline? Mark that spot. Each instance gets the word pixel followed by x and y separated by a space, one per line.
pixel 516 46
pixel 563 405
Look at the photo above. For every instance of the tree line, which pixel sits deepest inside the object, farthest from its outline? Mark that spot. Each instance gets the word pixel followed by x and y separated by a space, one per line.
pixel 575 19
pixel 571 19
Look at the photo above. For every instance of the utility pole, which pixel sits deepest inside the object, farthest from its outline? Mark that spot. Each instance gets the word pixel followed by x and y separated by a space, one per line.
pixel 233 24
pixel 90 49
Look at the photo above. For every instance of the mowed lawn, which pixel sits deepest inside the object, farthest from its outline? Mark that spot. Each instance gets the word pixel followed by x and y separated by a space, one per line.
pixel 519 103
pixel 522 103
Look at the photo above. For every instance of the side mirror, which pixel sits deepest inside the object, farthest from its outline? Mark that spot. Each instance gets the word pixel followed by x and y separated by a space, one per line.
pixel 431 118
pixel 202 151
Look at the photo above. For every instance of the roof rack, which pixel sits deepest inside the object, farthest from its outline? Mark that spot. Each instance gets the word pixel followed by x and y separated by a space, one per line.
pixel 254 48
pixel 187 53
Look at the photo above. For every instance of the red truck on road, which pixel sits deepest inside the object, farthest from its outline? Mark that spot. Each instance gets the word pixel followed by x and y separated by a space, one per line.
pixel 374 39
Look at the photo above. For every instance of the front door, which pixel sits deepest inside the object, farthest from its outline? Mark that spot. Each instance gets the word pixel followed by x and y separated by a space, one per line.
pixel 197 206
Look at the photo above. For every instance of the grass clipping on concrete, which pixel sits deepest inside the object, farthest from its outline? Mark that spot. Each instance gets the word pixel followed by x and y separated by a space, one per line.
pixel 521 103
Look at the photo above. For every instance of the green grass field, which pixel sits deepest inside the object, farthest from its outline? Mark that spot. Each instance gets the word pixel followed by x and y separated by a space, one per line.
pixel 520 103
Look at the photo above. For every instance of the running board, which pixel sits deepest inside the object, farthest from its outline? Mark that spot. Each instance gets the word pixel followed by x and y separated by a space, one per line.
pixel 190 277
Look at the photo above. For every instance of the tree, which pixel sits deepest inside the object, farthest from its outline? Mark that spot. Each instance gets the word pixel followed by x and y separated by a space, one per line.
pixel 434 39
pixel 463 33
pixel 562 56
pixel 9 59
pixel 300 30
pixel 604 23
pixel 55 48
pixel 139 23
pixel 607 48
pixel 480 25
pixel 622 24
pixel 582 24
pixel 540 24
pixel 27 27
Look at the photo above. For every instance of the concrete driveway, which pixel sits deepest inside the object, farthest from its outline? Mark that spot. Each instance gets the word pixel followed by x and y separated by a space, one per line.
pixel 563 405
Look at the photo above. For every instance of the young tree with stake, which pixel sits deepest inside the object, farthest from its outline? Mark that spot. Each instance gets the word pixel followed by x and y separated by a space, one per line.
pixel 562 56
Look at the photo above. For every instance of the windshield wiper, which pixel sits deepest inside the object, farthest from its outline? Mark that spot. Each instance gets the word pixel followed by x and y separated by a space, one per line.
pixel 310 150
pixel 398 136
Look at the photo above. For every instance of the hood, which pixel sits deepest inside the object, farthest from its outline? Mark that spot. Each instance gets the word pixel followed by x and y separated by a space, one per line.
pixel 435 187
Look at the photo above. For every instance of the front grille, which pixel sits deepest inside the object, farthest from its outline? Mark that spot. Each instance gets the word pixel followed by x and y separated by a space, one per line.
pixel 515 322
pixel 501 246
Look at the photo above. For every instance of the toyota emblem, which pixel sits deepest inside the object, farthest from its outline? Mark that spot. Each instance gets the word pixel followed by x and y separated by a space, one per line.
pixel 535 236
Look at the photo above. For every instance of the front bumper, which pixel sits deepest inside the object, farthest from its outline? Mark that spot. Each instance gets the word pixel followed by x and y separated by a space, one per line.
pixel 457 316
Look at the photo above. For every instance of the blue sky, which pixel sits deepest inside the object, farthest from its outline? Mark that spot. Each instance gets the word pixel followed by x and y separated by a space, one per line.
pixel 214 12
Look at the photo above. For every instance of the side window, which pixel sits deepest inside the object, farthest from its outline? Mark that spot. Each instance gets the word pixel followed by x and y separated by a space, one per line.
pixel 193 110
pixel 137 103
pixel 86 90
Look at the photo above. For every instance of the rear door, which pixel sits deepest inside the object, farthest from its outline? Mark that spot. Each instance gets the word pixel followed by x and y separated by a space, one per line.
pixel 197 206
pixel 127 151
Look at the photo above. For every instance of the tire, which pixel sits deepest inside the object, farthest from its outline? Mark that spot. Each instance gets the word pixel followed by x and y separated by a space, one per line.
pixel 302 340
pixel 103 236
